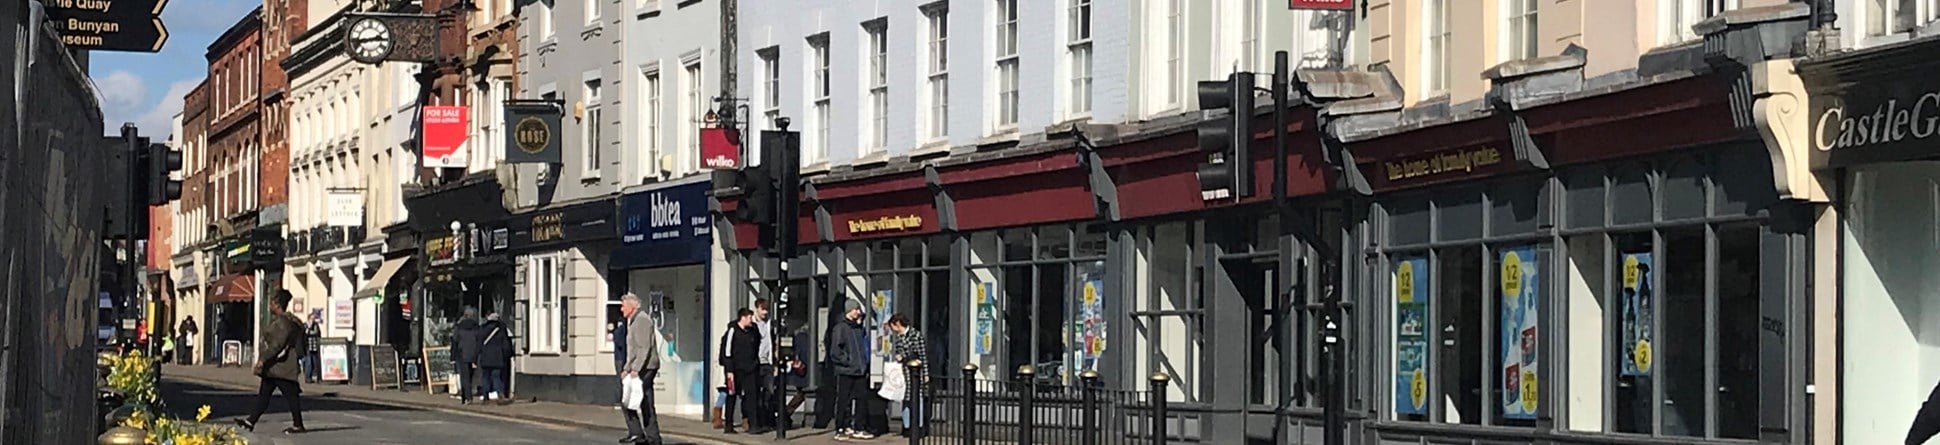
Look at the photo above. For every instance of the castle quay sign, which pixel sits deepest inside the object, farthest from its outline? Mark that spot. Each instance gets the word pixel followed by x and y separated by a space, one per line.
pixel 1874 106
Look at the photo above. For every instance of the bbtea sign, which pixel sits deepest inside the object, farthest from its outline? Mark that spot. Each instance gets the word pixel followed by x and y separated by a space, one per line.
pixel 665 227
pixel 1338 5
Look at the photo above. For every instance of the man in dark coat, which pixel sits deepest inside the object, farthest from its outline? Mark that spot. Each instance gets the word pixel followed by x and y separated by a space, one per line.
pixel 283 343
pixel 188 332
pixel 740 359
pixel 495 357
pixel 464 353
pixel 1926 423
pixel 849 356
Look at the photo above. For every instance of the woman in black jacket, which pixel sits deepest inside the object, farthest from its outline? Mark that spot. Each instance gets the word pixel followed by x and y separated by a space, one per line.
pixel 494 358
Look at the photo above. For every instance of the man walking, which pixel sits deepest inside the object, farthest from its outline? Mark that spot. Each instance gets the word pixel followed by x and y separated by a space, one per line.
pixel 464 354
pixel 642 362
pixel 283 342
pixel 849 356
pixel 494 357
pixel 739 360
pixel 760 388
pixel 312 357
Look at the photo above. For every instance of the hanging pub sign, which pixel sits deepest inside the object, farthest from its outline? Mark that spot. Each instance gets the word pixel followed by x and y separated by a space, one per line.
pixel 533 136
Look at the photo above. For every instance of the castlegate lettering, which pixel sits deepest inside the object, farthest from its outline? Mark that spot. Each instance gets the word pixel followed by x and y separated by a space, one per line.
pixel 1892 121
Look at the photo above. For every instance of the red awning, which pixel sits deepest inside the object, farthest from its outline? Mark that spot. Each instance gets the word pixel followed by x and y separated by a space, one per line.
pixel 233 289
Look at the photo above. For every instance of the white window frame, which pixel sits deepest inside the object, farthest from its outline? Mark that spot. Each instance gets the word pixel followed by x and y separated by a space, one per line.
pixel 936 91
pixel 1676 17
pixel 546 30
pixel 876 47
pixel 592 11
pixel 770 84
pixel 592 136
pixel 1435 47
pixel 545 285
pixel 1005 111
pixel 1521 34
pixel 1175 24
pixel 1079 56
pixel 1883 17
pixel 650 88
pixel 693 106
pixel 818 93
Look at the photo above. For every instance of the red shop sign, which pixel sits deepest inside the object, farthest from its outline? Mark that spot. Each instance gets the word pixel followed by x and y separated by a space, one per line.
pixel 720 149
pixel 444 135
pixel 1321 4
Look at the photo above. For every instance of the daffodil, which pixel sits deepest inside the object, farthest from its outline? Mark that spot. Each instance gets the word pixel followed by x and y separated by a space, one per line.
pixel 202 414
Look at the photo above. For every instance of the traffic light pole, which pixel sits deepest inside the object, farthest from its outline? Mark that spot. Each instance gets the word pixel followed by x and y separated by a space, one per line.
pixel 132 201
pixel 786 169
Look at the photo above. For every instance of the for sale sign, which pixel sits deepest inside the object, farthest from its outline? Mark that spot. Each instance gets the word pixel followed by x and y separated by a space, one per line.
pixel 1321 4
pixel 444 136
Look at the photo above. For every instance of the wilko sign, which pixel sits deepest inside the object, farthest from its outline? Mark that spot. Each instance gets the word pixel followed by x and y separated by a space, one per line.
pixel 1341 5
pixel 720 148
pixel 444 136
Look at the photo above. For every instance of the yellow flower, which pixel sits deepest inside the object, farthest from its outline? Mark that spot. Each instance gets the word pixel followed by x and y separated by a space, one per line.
pixel 202 414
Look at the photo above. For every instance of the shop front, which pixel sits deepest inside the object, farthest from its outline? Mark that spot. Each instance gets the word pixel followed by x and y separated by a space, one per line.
pixel 1874 115
pixel 452 255
pixel 666 256
pixel 559 267
pixel 1609 266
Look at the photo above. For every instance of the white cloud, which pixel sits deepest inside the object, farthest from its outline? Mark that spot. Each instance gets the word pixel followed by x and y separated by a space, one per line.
pixel 121 91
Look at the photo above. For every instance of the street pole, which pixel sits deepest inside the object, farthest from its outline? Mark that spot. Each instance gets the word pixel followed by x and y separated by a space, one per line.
pixel 1286 257
pixel 130 141
pixel 787 183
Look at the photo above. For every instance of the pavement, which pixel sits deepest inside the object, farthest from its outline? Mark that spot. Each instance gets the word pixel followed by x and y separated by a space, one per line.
pixel 349 414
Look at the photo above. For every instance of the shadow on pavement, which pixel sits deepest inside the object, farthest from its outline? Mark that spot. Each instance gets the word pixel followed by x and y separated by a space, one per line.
pixel 184 398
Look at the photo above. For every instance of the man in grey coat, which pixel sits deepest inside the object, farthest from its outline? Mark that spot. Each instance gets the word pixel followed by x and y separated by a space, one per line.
pixel 643 361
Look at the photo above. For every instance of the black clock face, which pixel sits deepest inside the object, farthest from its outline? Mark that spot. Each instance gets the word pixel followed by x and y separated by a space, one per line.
pixel 370 40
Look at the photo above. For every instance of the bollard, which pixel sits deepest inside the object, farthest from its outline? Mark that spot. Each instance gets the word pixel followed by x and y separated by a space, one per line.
pixel 122 435
pixel 967 423
pixel 1027 406
pixel 918 416
pixel 1159 380
pixel 1090 432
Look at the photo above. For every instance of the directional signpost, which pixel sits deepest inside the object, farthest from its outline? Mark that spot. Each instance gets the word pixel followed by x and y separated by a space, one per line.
pixel 109 25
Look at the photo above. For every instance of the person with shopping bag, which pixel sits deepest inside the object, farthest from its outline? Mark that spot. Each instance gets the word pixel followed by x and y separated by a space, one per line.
pixel 906 344
pixel 642 365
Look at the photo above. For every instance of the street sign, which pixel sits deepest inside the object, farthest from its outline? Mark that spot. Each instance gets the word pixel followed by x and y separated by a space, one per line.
pixel 1321 4
pixel 109 25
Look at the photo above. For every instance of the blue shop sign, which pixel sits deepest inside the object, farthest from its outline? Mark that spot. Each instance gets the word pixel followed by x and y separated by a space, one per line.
pixel 665 227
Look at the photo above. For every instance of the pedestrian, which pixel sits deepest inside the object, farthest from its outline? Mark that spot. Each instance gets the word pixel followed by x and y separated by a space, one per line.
pixel 494 357
pixel 849 356
pixel 760 388
pixel 908 344
pixel 276 364
pixel 188 331
pixel 738 363
pixel 464 354
pixel 619 356
pixel 796 378
pixel 642 362
pixel 312 359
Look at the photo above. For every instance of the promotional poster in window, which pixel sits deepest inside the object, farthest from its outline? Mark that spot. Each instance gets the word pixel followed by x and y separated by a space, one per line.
pixel 1521 282
pixel 1637 315
pixel 985 301
pixel 1091 318
pixel 1411 295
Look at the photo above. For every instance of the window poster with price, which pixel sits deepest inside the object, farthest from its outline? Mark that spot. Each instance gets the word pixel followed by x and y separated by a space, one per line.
pixel 1637 315
pixel 1520 279
pixel 1411 297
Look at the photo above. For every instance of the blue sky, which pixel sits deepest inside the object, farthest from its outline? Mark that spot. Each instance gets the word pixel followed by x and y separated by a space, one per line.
pixel 147 88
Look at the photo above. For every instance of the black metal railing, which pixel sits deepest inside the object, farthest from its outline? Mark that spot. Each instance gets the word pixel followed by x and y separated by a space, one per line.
pixel 1031 411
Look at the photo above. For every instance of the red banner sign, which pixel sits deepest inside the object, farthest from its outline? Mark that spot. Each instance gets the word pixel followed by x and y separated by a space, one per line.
pixel 720 149
pixel 1321 4
pixel 444 135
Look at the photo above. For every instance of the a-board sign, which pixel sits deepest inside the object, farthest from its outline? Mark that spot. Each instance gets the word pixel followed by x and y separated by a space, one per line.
pixel 334 359
pixel 413 370
pixel 231 353
pixel 383 368
pixel 437 368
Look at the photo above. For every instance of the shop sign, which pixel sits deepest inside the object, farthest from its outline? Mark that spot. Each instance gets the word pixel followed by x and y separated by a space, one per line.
pixel 346 208
pixel 895 223
pixel 534 136
pixel 1875 116
pixel 668 226
pixel 582 222
pixel 720 148
pixel 1447 163
pixel 1337 5
pixel 441 250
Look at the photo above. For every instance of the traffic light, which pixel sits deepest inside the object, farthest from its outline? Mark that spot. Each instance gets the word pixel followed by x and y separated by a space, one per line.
pixel 757 195
pixel 1227 139
pixel 162 163
pixel 780 154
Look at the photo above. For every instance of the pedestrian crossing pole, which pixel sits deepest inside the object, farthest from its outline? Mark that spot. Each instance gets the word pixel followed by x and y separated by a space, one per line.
pixel 780 155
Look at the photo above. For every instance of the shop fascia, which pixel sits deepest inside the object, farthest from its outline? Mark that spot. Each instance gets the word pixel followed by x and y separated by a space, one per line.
pixel 467 242
pixel 1888 122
